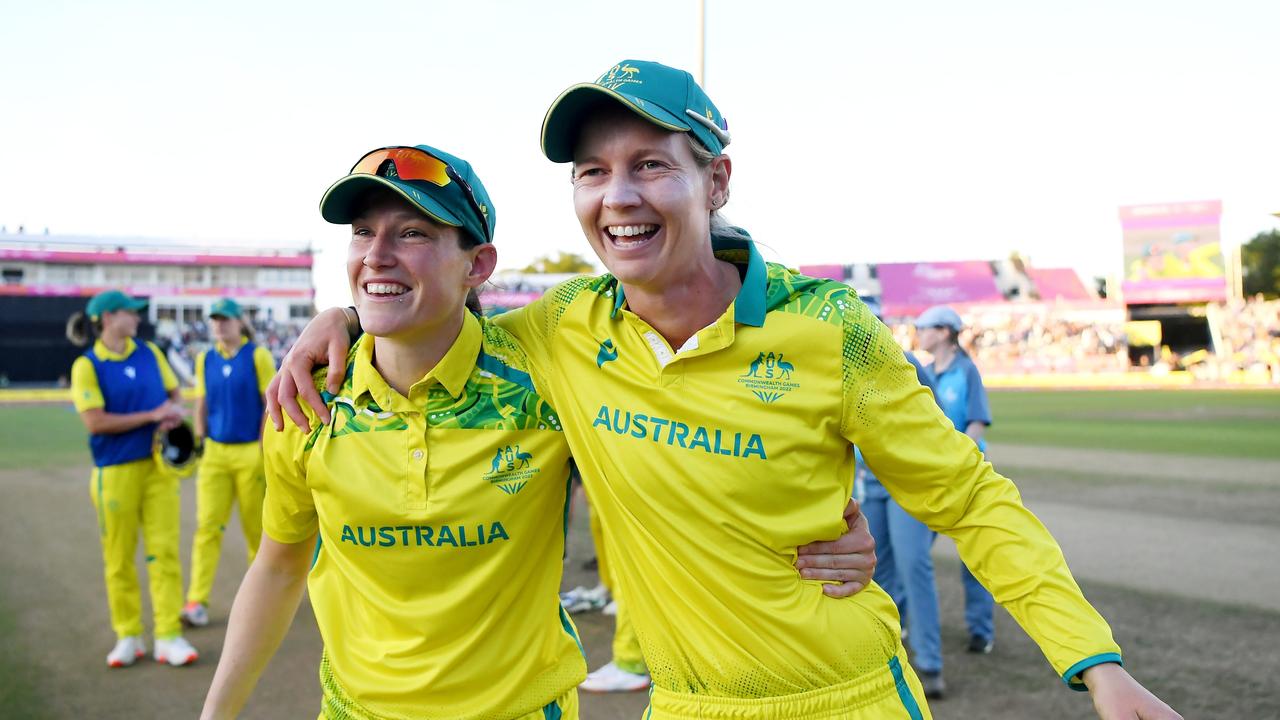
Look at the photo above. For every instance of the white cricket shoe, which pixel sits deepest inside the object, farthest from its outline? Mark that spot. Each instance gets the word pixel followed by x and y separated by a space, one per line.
pixel 611 608
pixel 126 652
pixel 175 651
pixel 612 679
pixel 195 614
pixel 581 599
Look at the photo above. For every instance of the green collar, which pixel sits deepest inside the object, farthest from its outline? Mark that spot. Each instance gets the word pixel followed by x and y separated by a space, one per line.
pixel 749 306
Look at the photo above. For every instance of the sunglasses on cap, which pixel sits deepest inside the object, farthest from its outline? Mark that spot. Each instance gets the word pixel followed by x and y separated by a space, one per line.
pixel 412 163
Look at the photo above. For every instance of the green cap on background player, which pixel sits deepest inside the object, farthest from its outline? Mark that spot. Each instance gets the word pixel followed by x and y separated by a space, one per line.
pixel 111 301
pixel 225 308
pixel 442 186
pixel 665 96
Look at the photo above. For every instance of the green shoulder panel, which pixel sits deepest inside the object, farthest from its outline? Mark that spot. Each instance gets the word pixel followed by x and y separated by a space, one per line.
pixel 790 292
pixel 499 394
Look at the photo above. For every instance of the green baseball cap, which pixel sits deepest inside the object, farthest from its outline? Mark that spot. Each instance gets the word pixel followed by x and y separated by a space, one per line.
pixel 226 307
pixel 665 96
pixel 450 194
pixel 111 301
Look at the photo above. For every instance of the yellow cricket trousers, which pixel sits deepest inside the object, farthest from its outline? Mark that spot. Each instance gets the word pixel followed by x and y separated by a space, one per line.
pixel 228 473
pixel 126 497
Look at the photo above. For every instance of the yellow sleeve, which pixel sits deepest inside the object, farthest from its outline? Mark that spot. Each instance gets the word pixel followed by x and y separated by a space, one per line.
pixel 288 511
pixel 940 477
pixel 534 325
pixel 85 392
pixel 166 373
pixel 200 390
pixel 265 365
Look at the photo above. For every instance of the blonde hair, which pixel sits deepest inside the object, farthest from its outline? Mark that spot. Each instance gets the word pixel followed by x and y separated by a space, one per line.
pixel 721 228
pixel 81 330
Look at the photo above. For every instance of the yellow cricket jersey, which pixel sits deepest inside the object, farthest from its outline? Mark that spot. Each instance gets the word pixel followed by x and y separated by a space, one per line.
pixel 264 365
pixel 709 464
pixel 86 393
pixel 441 533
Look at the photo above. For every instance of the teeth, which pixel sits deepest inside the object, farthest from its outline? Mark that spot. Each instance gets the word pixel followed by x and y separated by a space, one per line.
pixel 629 230
pixel 385 288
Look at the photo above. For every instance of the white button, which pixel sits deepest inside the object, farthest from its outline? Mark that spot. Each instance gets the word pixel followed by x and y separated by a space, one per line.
pixel 417 454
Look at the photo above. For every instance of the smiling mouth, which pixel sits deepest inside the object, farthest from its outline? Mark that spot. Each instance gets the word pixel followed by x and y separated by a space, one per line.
pixel 629 236
pixel 384 289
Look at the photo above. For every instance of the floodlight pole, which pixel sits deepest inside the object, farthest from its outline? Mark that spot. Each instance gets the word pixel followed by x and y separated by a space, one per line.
pixel 702 44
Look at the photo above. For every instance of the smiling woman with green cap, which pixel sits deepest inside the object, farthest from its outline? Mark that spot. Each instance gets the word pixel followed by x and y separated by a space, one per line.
pixel 719 430
pixel 423 518
pixel 230 379
pixel 125 392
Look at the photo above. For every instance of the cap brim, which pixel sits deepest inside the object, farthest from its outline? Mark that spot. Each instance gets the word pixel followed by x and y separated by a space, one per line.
pixel 564 119
pixel 340 202
pixel 135 304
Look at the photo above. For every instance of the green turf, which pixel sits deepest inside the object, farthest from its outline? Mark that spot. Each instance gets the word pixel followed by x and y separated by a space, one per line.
pixel 1199 422
pixel 37 436
pixel 19 697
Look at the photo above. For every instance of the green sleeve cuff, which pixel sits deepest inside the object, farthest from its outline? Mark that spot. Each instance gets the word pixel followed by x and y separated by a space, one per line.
pixel 1072 676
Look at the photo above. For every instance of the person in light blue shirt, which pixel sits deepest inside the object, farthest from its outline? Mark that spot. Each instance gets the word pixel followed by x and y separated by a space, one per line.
pixel 958 388
pixel 904 568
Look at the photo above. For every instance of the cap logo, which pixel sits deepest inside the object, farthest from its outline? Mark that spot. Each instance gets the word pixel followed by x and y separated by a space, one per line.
pixel 618 76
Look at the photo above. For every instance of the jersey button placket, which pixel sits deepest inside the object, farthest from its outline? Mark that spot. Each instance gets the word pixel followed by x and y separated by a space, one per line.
pixel 416 457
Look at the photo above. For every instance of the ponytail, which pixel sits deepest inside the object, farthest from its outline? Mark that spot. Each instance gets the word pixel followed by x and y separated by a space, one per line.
pixel 80 330
pixel 473 302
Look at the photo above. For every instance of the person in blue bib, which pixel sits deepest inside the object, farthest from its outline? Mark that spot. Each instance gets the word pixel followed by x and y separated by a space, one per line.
pixel 230 379
pixel 958 388
pixel 125 392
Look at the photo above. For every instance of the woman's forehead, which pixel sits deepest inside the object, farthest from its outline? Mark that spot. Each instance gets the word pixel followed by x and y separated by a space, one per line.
pixel 620 129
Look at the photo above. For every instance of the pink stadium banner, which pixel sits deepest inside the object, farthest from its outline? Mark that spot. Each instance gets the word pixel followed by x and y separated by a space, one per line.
pixel 504 299
pixel 1173 253
pixel 52 289
pixel 138 258
pixel 1060 284
pixel 907 289
pixel 827 272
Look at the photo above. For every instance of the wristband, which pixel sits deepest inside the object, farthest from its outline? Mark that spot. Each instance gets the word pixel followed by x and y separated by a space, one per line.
pixel 353 322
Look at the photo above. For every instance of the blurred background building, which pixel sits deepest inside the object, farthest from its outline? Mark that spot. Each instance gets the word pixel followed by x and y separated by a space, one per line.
pixel 46 278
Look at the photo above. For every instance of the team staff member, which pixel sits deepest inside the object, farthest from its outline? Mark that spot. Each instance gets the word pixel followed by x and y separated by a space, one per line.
pixel 431 510
pixel 230 380
pixel 960 393
pixel 125 391
pixel 711 401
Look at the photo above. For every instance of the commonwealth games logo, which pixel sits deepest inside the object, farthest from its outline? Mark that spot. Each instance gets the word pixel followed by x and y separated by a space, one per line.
pixel 768 377
pixel 511 469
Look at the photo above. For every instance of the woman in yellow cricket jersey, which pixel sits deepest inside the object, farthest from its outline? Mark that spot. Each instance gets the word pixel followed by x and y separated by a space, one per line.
pixel 712 402
pixel 125 391
pixel 418 519
pixel 230 379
